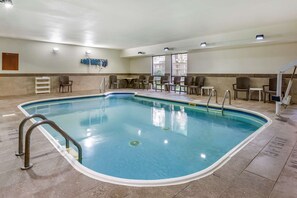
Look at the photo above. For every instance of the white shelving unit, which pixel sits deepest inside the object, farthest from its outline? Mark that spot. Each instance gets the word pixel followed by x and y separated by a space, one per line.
pixel 42 85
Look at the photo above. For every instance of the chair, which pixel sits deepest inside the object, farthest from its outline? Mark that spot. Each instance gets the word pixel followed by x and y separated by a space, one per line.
pixel 199 82
pixel 113 81
pixel 271 89
pixel 65 82
pixel 163 81
pixel 139 82
pixel 176 82
pixel 148 82
pixel 188 81
pixel 242 85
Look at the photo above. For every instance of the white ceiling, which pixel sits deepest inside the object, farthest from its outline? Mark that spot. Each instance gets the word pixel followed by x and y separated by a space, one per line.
pixel 132 23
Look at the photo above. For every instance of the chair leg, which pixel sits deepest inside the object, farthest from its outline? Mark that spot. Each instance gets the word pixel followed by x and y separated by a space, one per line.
pixel 234 95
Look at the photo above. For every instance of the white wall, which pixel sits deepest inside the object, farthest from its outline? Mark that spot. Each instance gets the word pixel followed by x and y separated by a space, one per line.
pixel 260 60
pixel 141 65
pixel 37 57
pixel 265 59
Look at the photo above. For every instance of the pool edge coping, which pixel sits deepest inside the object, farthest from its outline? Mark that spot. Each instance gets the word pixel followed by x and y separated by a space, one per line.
pixel 149 183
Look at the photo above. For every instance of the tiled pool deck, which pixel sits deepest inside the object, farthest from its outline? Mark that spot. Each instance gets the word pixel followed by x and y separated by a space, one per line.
pixel 266 167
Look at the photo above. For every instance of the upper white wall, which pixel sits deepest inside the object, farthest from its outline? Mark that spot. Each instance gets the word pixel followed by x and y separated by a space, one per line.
pixel 265 59
pixel 38 57
pixel 261 59
pixel 141 65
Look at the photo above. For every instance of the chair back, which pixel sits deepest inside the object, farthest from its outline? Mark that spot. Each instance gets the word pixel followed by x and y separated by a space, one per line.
pixel 201 81
pixel 197 80
pixel 113 79
pixel 64 79
pixel 242 83
pixel 142 78
pixel 188 80
pixel 272 84
pixel 176 80
pixel 164 79
pixel 151 79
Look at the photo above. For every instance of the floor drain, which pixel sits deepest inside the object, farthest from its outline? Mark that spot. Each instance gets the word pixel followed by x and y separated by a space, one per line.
pixel 134 143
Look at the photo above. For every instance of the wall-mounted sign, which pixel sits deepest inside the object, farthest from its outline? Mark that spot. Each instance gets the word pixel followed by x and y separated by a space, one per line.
pixel 92 61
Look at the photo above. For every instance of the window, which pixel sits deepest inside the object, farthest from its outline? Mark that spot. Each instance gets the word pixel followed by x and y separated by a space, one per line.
pixel 179 64
pixel 158 65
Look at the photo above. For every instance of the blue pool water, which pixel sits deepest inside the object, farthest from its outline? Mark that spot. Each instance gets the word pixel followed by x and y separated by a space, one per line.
pixel 134 137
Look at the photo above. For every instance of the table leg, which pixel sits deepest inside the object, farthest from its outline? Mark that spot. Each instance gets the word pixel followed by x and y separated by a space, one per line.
pixel 201 90
pixel 260 95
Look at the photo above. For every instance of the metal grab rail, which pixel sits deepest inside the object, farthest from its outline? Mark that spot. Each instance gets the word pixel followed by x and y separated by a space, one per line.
pixel 210 96
pixel 229 93
pixel 27 164
pixel 21 133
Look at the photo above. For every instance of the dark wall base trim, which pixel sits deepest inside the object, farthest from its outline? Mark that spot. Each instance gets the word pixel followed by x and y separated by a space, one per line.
pixel 107 74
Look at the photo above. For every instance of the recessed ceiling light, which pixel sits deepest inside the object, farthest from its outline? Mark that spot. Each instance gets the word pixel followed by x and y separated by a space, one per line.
pixel 203 44
pixel 166 49
pixel 260 37
pixel 7 3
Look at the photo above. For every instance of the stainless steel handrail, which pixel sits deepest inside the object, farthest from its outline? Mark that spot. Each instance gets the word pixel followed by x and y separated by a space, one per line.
pixel 210 96
pixel 27 164
pixel 229 93
pixel 21 133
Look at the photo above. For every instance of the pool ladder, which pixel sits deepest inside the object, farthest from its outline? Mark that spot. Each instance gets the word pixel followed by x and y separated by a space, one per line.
pixel 214 92
pixel 102 85
pixel 227 92
pixel 51 123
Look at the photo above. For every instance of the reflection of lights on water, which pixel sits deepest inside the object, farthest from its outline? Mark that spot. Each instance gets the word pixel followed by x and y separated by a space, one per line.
pixel 89 134
pixel 89 142
pixel 158 117
pixel 202 155
pixel 139 132
pixel 88 130
pixel 165 141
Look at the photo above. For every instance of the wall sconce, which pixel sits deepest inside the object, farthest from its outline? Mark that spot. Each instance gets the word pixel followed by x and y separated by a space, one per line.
pixel 141 53
pixel 7 3
pixel 203 44
pixel 88 52
pixel 260 37
pixel 55 50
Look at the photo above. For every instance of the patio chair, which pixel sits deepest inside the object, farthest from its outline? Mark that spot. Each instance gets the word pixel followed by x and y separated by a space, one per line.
pixel 270 89
pixel 113 82
pixel 65 82
pixel 242 85
pixel 176 82
pixel 149 82
pixel 198 83
pixel 139 82
pixel 188 81
pixel 164 81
